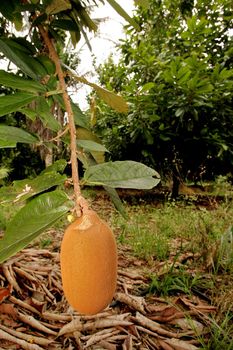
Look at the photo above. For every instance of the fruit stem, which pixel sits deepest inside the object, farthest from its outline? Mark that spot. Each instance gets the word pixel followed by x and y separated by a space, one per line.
pixel 81 203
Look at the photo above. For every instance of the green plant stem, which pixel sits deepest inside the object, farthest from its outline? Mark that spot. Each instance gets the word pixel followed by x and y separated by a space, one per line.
pixel 80 202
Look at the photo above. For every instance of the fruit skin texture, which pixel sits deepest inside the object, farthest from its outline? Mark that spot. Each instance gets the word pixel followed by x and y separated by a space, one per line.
pixel 89 264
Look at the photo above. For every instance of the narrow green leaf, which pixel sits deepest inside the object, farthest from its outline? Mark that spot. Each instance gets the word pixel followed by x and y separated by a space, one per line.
pixel 116 201
pixel 10 136
pixel 47 118
pixel 36 216
pixel 16 82
pixel 122 174
pixel 91 146
pixel 113 100
pixel 123 14
pixel 147 87
pixel 13 103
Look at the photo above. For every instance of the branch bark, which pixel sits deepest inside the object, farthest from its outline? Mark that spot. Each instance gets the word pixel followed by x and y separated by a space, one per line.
pixel 80 201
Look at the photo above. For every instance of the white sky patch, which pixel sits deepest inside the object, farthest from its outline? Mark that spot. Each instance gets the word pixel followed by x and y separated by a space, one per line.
pixel 103 44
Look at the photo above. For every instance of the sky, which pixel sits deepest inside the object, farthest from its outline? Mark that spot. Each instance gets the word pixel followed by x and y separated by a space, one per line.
pixel 103 44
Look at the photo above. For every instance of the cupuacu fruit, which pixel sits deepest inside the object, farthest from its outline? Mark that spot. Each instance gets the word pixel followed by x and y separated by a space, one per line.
pixel 88 260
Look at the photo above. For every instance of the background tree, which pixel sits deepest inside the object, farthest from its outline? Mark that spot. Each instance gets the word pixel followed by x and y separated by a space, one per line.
pixel 176 74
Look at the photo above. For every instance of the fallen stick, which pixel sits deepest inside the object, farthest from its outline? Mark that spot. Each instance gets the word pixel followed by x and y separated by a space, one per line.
pixel 98 337
pixel 28 337
pixel 21 272
pixel 25 345
pixel 35 324
pixel 10 278
pixel 136 303
pixel 76 325
pixel 154 326
pixel 23 304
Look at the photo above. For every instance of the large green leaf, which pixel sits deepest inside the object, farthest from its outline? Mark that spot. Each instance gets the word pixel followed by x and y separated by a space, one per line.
pixel 21 56
pixel 10 136
pixel 16 82
pixel 12 103
pixel 122 174
pixel 27 188
pixel 123 14
pixel 36 216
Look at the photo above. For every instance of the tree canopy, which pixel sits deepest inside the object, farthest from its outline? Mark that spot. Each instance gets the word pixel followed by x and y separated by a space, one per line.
pixel 176 74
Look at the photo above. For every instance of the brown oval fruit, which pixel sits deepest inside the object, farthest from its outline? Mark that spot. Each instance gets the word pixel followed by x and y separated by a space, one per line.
pixel 89 264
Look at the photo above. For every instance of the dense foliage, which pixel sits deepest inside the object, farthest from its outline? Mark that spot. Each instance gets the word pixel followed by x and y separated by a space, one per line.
pixel 177 76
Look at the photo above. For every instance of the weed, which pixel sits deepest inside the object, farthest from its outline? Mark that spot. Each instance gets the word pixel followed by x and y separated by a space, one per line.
pixel 178 282
pixel 45 243
pixel 220 336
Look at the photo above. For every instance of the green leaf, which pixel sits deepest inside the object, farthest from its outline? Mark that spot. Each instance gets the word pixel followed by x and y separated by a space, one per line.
pixel 4 172
pixel 30 113
pixel 116 201
pixel 13 103
pixel 147 87
pixel 16 82
pixel 66 24
pixel 58 166
pixel 143 3
pixel 27 188
pixel 47 118
pixel 80 119
pixel 36 216
pixel 85 134
pixel 9 11
pixel 56 6
pixel 91 146
pixel 123 14
pixel 113 100
pixel 122 174
pixel 10 136
pixel 21 56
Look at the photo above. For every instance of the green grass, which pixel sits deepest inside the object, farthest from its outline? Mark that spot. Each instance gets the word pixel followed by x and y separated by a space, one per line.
pixel 173 230
pixel 156 232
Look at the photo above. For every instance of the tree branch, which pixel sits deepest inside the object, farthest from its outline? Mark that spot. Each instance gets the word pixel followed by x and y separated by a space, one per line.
pixel 80 201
